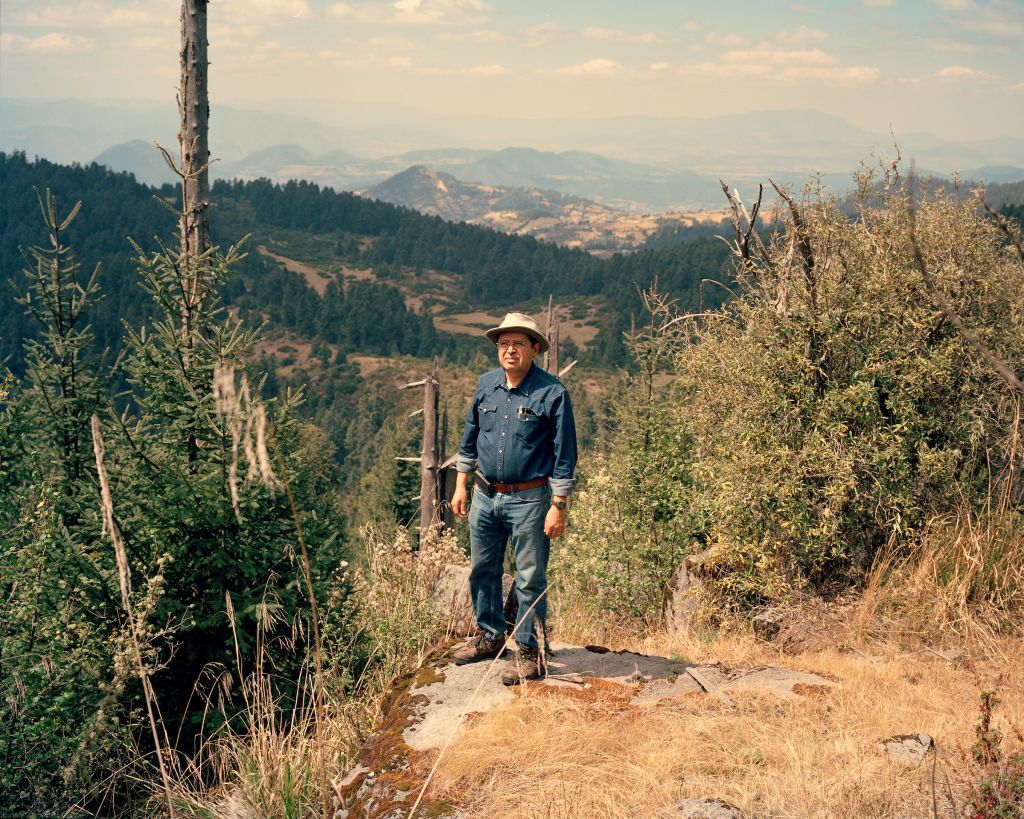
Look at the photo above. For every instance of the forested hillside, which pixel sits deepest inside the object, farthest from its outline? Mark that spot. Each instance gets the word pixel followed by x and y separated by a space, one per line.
pixel 485 268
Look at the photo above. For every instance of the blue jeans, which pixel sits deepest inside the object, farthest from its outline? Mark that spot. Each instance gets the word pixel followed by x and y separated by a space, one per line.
pixel 519 515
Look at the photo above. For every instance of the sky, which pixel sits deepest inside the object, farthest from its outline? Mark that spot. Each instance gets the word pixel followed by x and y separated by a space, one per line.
pixel 954 68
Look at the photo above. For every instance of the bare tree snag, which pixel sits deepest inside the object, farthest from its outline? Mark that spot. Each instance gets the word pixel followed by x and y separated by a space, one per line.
pixel 554 341
pixel 428 462
pixel 802 243
pixel 193 138
pixel 746 236
pixel 551 356
pixel 803 239
pixel 551 320
pixel 430 497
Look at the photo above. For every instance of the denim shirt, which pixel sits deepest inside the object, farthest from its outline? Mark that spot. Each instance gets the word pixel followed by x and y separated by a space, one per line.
pixel 519 434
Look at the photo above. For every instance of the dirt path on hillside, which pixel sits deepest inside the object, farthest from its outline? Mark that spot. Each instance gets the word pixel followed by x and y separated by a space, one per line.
pixel 316 278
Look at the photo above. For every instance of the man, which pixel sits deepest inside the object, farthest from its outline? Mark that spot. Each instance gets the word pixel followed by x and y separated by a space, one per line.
pixel 521 437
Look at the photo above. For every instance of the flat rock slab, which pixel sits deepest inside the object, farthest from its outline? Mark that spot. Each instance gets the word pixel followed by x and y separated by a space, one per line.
pixel 908 749
pixel 424 711
pixel 446 693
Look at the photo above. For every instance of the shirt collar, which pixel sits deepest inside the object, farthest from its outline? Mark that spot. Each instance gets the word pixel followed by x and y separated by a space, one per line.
pixel 524 386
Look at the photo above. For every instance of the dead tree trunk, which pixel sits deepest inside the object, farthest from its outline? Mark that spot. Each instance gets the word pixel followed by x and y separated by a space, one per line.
pixel 554 339
pixel 430 498
pixel 551 356
pixel 193 137
pixel 428 458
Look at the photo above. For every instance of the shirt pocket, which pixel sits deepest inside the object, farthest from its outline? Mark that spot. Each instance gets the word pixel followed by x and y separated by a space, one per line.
pixel 488 414
pixel 531 426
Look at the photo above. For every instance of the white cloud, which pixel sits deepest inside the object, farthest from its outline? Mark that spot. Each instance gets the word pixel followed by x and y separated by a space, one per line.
pixel 956 5
pixel 994 26
pixel 800 36
pixel 691 25
pixel 659 66
pixel 55 42
pixel 954 46
pixel 878 4
pixel 963 72
pixel 150 43
pixel 87 14
pixel 599 67
pixel 734 70
pixel 777 72
pixel 542 34
pixel 399 62
pixel 435 11
pixel 392 42
pixel 254 11
pixel 409 12
pixel 617 36
pixel 777 57
pixel 493 70
pixel 843 75
pixel 729 40
pixel 483 36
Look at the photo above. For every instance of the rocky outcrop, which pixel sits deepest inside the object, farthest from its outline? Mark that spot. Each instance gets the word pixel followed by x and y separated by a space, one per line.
pixel 454 605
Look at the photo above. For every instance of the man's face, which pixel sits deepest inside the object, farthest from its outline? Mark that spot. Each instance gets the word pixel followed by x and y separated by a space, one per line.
pixel 516 352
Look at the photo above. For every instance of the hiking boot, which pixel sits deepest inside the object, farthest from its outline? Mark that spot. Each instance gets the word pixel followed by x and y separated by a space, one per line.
pixel 484 647
pixel 525 664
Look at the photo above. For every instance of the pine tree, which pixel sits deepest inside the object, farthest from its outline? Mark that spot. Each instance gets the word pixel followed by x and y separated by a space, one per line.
pixel 59 631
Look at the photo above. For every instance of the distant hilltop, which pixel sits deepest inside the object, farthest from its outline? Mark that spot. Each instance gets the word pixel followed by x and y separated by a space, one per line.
pixel 571 221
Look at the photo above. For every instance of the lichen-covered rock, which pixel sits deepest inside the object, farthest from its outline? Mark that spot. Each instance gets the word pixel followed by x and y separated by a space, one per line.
pixel 451 600
pixel 387 775
pixel 684 595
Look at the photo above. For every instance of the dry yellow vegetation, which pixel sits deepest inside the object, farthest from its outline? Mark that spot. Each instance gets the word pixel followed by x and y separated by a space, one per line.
pixel 813 755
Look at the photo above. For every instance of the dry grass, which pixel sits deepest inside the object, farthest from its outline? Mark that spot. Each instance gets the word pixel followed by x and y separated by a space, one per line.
pixel 963 582
pixel 806 756
pixel 930 632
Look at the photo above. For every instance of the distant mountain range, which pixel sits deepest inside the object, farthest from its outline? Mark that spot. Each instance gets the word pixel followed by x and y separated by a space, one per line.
pixel 683 157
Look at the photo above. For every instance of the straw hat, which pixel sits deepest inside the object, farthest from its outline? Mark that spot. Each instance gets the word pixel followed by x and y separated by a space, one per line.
pixel 519 323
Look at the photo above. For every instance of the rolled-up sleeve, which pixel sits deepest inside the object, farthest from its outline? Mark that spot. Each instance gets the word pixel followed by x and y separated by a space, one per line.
pixel 563 443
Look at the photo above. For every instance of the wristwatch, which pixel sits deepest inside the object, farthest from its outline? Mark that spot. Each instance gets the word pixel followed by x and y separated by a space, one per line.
pixel 560 505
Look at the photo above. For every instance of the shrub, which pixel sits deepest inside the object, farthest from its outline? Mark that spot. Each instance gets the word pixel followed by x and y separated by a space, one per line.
pixel 833 409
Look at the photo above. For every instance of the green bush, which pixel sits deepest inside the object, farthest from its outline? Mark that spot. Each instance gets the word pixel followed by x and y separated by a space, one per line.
pixel 833 408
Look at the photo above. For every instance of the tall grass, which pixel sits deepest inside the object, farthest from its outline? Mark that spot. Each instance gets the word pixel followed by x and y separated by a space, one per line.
pixel 273 758
pixel 963 580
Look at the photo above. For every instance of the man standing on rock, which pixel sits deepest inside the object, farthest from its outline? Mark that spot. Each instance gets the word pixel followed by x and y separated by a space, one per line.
pixel 520 442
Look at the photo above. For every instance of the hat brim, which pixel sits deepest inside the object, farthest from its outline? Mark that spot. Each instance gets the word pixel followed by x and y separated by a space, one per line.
pixel 532 332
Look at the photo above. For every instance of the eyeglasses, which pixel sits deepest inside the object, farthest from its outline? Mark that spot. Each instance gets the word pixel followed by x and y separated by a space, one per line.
pixel 517 344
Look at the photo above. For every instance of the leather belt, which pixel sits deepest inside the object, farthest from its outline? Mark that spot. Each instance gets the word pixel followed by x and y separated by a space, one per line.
pixel 506 488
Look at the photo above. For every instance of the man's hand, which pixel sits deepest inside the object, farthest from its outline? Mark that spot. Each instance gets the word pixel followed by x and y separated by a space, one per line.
pixel 554 522
pixel 460 498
